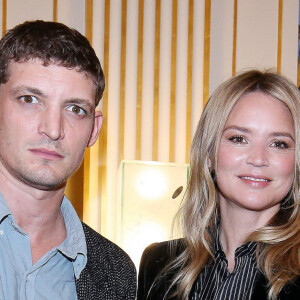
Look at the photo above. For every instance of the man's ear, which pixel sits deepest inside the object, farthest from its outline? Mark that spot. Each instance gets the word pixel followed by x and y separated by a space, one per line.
pixel 96 128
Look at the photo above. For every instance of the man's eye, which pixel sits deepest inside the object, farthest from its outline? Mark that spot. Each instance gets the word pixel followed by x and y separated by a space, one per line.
pixel 279 144
pixel 238 139
pixel 29 99
pixel 77 110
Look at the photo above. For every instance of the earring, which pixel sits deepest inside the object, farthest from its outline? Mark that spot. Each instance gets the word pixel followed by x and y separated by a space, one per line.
pixel 213 175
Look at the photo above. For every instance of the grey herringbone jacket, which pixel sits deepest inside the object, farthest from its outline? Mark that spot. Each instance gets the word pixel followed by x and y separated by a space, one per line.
pixel 109 273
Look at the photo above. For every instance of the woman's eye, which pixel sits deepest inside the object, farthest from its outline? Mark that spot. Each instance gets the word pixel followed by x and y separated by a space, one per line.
pixel 238 139
pixel 279 144
pixel 77 110
pixel 29 99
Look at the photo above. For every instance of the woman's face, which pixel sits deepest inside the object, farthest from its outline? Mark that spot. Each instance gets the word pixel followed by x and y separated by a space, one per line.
pixel 256 157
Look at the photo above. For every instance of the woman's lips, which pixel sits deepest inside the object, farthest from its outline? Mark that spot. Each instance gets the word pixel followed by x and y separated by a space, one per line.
pixel 255 181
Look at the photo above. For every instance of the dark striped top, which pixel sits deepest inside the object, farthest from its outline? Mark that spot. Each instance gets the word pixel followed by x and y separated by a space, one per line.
pixel 215 282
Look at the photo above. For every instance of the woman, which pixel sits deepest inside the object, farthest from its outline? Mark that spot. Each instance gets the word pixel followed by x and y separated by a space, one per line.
pixel 241 213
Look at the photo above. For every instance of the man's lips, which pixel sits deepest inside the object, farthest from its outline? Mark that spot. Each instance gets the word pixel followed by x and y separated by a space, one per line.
pixel 47 154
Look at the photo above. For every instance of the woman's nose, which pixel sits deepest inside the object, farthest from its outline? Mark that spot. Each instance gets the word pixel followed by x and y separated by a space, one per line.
pixel 258 155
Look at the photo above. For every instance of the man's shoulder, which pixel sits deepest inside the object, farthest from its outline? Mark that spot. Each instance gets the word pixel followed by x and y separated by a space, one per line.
pixel 109 273
pixel 99 247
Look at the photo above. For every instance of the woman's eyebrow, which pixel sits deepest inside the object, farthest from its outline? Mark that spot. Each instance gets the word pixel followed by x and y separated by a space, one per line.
pixel 247 130
pixel 239 128
pixel 283 134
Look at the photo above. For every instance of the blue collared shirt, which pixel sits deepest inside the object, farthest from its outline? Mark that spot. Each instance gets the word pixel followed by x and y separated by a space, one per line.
pixel 53 275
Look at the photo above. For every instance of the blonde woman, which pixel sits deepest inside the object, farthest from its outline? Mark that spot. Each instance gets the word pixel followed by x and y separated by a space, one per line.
pixel 241 214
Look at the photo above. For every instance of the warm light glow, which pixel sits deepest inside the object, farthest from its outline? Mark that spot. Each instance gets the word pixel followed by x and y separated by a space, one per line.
pixel 147 204
pixel 137 239
pixel 151 184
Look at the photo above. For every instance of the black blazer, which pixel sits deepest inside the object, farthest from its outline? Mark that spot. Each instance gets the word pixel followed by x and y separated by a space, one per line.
pixel 109 273
pixel 156 257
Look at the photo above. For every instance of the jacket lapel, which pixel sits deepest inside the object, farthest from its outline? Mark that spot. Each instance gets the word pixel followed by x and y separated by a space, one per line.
pixel 260 288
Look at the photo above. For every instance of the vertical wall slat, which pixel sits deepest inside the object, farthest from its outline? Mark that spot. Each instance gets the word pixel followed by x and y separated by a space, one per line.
pixel 131 79
pixel 148 80
pixel 198 62
pixel 89 20
pixel 122 80
pixel 103 132
pixel 91 205
pixel 139 80
pixel 113 113
pixel 234 37
pixel 289 54
pixel 165 81
pixel 54 10
pixel 206 51
pixel 181 81
pixel 156 81
pixel 189 80
pixel 173 82
pixel 4 16
pixel 279 43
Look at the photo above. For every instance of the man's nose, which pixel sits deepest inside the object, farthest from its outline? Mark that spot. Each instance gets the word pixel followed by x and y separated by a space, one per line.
pixel 52 124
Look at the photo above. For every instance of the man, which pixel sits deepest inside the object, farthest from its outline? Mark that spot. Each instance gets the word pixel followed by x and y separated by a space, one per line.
pixel 50 84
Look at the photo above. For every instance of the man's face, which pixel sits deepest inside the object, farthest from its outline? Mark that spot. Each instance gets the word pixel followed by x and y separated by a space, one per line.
pixel 47 119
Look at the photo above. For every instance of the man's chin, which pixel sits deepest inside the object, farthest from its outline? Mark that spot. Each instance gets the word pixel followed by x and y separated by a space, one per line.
pixel 45 184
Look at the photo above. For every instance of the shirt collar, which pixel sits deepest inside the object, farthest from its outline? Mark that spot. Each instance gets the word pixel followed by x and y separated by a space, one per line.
pixel 74 246
pixel 248 248
pixel 4 210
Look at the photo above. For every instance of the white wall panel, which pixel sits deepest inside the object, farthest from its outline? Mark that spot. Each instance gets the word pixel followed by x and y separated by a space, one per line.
pixel 19 11
pixel 131 79
pixel 98 28
pixel 290 39
pixel 181 80
pixel 257 31
pixel 71 13
pixel 221 42
pixel 197 76
pixel 148 79
pixel 113 110
pixel 165 80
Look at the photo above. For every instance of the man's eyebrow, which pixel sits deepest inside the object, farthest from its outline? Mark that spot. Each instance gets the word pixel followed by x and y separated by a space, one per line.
pixel 26 89
pixel 35 91
pixel 82 102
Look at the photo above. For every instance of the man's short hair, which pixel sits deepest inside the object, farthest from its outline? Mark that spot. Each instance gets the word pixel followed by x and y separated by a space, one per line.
pixel 52 43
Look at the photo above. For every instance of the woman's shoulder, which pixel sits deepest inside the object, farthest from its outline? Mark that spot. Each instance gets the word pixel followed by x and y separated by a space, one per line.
pixel 154 259
pixel 158 255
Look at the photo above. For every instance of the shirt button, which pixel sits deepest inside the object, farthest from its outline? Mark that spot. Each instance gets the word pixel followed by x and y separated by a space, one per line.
pixel 1 232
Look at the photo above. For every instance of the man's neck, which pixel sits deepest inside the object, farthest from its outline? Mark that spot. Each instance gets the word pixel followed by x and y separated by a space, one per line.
pixel 36 212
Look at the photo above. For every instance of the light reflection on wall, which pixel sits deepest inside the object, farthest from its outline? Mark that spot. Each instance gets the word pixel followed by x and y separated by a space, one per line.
pixel 145 205
pixel 151 184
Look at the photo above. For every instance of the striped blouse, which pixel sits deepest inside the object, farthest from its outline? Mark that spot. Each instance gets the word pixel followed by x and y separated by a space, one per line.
pixel 215 282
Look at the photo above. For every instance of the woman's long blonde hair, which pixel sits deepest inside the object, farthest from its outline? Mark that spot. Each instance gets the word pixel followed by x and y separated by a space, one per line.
pixel 279 241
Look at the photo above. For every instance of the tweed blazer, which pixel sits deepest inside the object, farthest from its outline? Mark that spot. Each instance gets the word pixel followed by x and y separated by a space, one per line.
pixel 109 273
pixel 156 257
